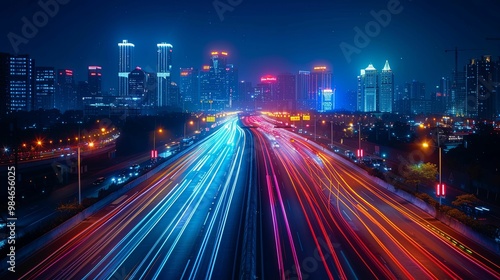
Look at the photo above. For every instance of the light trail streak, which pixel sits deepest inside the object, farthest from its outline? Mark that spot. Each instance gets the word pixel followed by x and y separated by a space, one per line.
pixel 315 168
pixel 158 215
pixel 297 179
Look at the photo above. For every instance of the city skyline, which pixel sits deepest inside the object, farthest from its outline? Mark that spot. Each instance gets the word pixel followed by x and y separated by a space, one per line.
pixel 219 89
pixel 250 139
pixel 270 47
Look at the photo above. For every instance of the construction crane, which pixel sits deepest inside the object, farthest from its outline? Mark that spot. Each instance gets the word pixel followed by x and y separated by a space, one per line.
pixel 455 75
pixel 456 57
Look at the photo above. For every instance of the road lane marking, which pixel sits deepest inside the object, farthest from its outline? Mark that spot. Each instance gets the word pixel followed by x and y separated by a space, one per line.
pixel 208 214
pixel 348 264
pixel 368 196
pixel 120 199
pixel 346 215
pixel 300 242
pixel 185 269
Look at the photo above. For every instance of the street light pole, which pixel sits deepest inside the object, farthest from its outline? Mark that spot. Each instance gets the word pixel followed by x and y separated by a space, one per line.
pixel 331 132
pixel 153 153
pixel 439 147
pixel 79 179
pixel 359 139
pixel 79 171
pixel 440 182
pixel 315 124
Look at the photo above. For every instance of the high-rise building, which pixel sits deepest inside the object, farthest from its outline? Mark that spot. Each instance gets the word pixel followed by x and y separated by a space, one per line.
pixel 218 82
pixel 417 90
pixel 419 103
pixel 83 96
pixel 125 64
pixel 285 92
pixel 368 89
pixel 265 92
pixel 188 88
pixel 496 97
pixel 386 90
pixel 402 99
pixel 421 106
pixel 268 85
pixel 481 88
pixel 218 86
pixel 232 84
pixel 205 91
pixel 471 85
pixel 327 100
pixel 303 89
pixel 4 82
pixel 285 87
pixel 66 97
pixel 174 95
pixel 457 104
pixel 321 78
pixel 442 96
pixel 245 93
pixel 151 86
pixel 95 80
pixel 137 83
pixel 359 91
pixel 164 68
pixel 350 99
pixel 45 87
pixel 17 83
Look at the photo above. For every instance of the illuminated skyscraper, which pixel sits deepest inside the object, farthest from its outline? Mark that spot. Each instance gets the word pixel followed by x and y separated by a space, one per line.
pixel 327 100
pixel 218 82
pixel 386 94
pixel 188 88
pixel 303 89
pixel 402 99
pixel 17 83
pixel 125 62
pixel 481 88
pixel 321 78
pixel 81 96
pixel 4 82
pixel 174 95
pixel 268 88
pixel 66 98
pixel 368 89
pixel 245 95
pixel 95 80
pixel 44 87
pixel 219 90
pixel 137 83
pixel 232 84
pixel 359 92
pixel 164 68
pixel 442 95
pixel 285 92
pixel 205 90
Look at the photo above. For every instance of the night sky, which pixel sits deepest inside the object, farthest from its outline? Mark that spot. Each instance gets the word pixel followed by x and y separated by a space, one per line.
pixel 262 37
